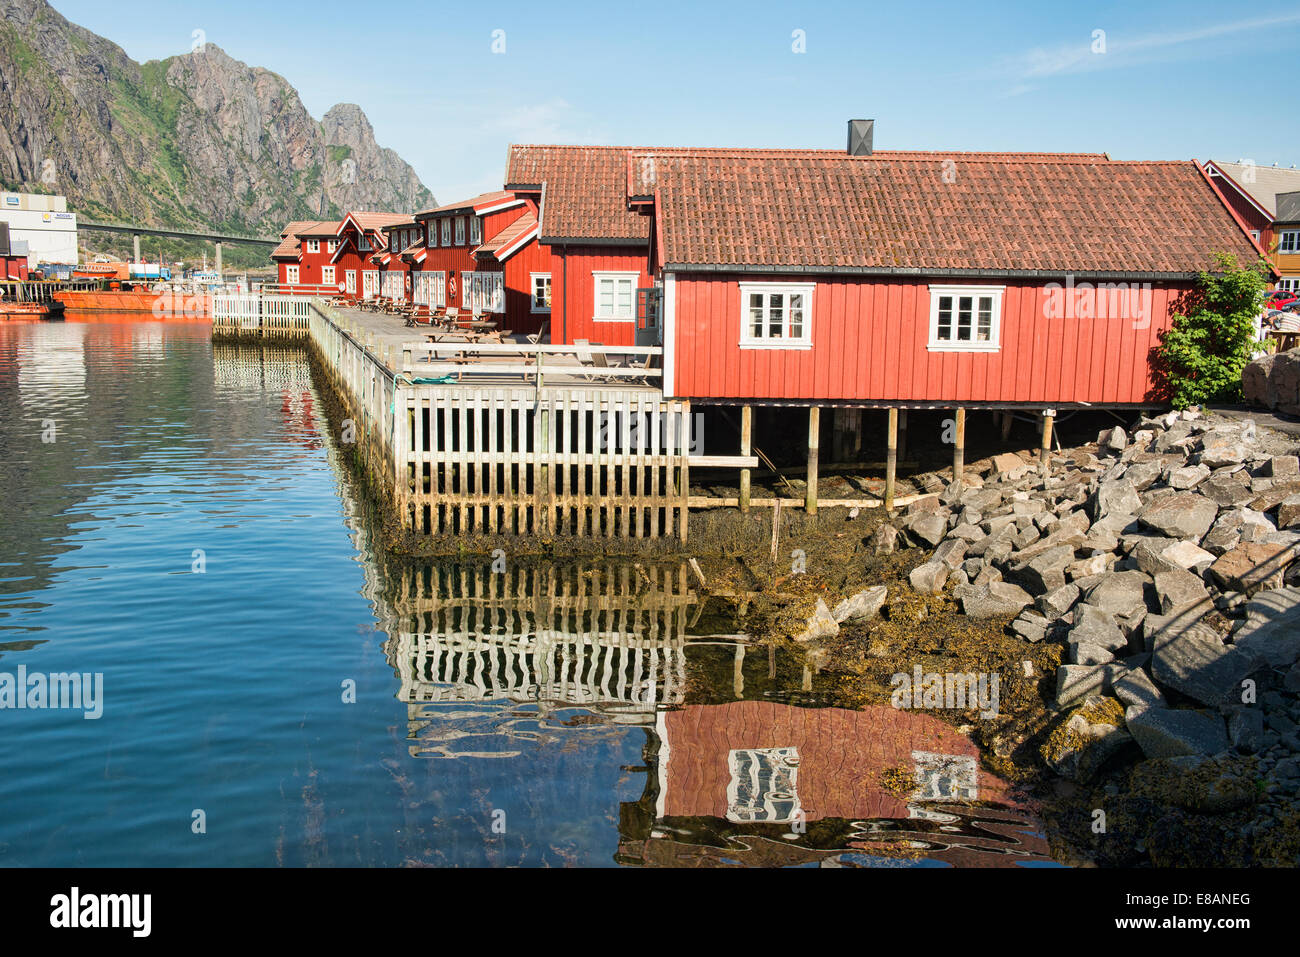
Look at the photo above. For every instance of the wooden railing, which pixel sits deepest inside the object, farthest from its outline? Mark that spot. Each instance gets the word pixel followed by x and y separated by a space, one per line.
pixel 466 361
pixel 260 315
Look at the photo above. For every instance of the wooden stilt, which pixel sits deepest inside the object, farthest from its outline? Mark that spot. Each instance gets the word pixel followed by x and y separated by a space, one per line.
pixel 746 435
pixel 814 440
pixel 902 435
pixel 1007 421
pixel 959 447
pixel 1045 450
pixel 891 458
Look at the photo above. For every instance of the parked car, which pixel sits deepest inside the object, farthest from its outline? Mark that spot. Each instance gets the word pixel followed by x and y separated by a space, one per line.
pixel 1281 297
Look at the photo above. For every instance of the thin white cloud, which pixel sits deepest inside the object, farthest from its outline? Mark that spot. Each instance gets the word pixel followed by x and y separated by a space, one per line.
pixel 1119 52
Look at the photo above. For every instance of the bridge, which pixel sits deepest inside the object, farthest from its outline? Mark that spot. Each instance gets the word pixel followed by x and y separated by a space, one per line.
pixel 216 238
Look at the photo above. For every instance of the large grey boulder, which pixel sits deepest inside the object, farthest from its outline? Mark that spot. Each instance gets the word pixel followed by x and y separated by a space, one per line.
pixel 1119 497
pixel 821 624
pixel 1191 659
pixel 1273 381
pixel 995 599
pixel 929 578
pixel 1271 632
pixel 1093 626
pixel 1169 732
pixel 861 606
pixel 1043 572
pixel 1183 515
pixel 1181 590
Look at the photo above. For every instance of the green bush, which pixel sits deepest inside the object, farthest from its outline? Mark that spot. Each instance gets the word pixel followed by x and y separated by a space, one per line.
pixel 1201 355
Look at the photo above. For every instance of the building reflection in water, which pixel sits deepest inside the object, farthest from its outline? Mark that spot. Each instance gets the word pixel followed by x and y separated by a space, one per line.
pixel 489 662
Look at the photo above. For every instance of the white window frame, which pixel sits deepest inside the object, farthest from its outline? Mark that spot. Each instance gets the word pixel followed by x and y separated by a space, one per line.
pixel 327 276
pixel 768 289
pixel 363 243
pixel 313 245
pixel 392 285
pixel 475 230
pixel 369 283
pixel 291 275
pixel 993 344
pixel 431 288
pixel 1290 284
pixel 460 230
pixel 1291 237
pixel 431 233
pixel 532 292
pixel 483 292
pixel 446 232
pixel 599 276
pixel 331 245
pixel 350 282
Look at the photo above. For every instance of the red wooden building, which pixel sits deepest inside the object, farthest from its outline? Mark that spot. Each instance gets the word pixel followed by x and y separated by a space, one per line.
pixel 318 256
pixel 361 235
pixel 481 255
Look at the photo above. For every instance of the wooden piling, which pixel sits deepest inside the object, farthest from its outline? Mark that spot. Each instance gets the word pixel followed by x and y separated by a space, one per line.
pixel 1045 450
pixel 814 439
pixel 891 458
pixel 902 435
pixel 746 436
pixel 959 447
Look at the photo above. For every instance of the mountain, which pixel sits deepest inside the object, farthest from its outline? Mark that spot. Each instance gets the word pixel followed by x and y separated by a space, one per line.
pixel 197 140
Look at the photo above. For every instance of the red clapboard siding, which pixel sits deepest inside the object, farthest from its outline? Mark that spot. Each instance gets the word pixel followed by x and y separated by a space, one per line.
pixel 572 298
pixel 869 343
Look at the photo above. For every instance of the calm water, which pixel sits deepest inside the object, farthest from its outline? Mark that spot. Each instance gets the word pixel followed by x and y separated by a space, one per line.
pixel 176 517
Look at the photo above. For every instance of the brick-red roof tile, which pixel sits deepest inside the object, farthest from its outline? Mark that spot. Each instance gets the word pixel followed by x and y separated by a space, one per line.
pixel 938 212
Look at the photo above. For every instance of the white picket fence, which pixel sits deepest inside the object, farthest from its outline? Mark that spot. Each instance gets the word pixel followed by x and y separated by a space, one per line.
pixel 261 314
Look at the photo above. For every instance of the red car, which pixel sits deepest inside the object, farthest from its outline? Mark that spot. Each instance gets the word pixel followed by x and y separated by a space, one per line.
pixel 1281 298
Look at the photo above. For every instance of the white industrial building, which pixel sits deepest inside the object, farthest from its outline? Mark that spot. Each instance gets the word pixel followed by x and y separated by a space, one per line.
pixel 44 223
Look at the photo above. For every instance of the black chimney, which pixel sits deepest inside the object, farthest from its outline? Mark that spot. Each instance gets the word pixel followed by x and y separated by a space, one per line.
pixel 860 137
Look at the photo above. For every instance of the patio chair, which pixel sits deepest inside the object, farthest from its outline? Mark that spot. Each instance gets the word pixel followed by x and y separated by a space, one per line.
pixel 590 360
pixel 536 337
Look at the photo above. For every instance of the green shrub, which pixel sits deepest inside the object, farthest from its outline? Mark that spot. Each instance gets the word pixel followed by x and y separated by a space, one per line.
pixel 1201 355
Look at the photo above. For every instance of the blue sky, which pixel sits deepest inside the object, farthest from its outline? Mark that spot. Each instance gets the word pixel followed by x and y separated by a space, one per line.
pixel 1167 80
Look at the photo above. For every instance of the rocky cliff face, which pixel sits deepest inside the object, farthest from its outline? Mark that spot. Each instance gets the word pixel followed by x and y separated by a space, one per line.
pixel 198 139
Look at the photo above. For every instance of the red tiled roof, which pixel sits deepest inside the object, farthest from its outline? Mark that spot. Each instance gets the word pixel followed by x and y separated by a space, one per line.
pixel 290 245
pixel 322 229
pixel 376 221
pixel 481 201
pixel 504 240
pixel 415 252
pixel 585 191
pixel 939 212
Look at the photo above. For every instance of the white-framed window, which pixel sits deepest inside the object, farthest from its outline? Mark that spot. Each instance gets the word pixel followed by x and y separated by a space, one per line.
pixel 291 274
pixel 1288 241
pixel 431 289
pixel 776 315
pixel 332 246
pixel 460 230
pixel 363 243
pixel 475 230
pixel 1254 234
pixel 327 275
pixel 1290 285
pixel 483 291
pixel 431 234
pixel 446 232
pixel 350 282
pixel 541 292
pixel 370 283
pixel 965 318
pixel 313 245
pixel 614 296
pixel 394 284
pixel 763 785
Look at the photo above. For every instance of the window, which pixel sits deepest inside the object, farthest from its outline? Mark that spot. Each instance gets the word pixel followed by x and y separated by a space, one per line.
pixel 431 289
pixel 541 301
pixel 482 291
pixel 615 296
pixel 363 243
pixel 763 785
pixel 446 232
pixel 460 230
pixel 475 230
pixel 327 275
pixel 965 318
pixel 431 234
pixel 291 274
pixel 313 245
pixel 394 284
pixel 370 283
pixel 1290 285
pixel 350 282
pixel 332 246
pixel 1254 234
pixel 776 315
pixel 1288 241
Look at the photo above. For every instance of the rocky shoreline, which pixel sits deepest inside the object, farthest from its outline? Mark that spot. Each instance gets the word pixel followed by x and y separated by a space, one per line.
pixel 1163 565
